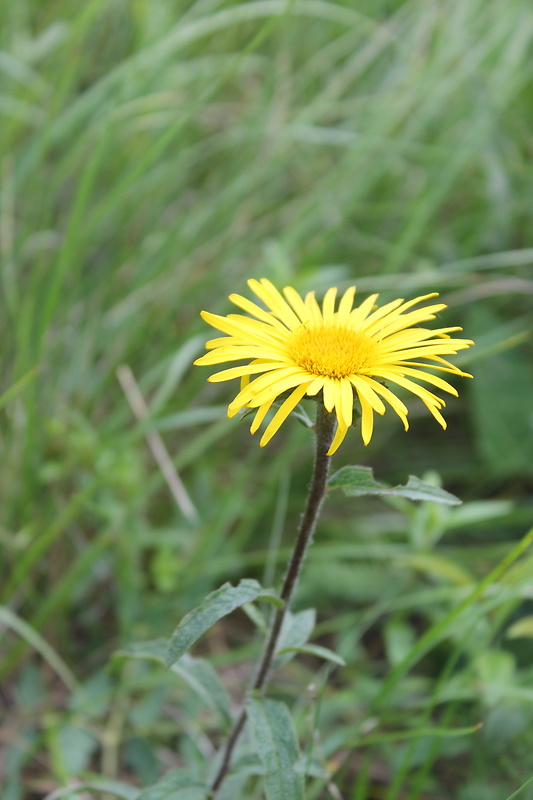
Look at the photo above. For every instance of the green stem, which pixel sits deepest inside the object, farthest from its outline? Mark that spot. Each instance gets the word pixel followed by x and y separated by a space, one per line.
pixel 325 430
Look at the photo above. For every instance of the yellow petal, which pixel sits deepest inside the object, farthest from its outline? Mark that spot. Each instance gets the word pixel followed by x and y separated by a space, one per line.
pixel 428 397
pixel 428 377
pixel 282 413
pixel 315 386
pixel 262 411
pixel 330 394
pixel 252 308
pixel 291 382
pixel 438 416
pixel 328 304
pixel 377 316
pixel 270 296
pixel 359 314
pixel 367 420
pixel 346 403
pixel 364 390
pixel 312 307
pixel 249 369
pixel 345 305
pixel 297 303
pixel 395 403
pixel 338 439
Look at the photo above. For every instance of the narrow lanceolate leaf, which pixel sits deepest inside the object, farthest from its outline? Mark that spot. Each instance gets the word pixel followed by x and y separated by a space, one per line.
pixel 358 481
pixel 295 632
pixel 196 672
pixel 522 629
pixel 215 606
pixel 106 787
pixel 316 650
pixel 203 679
pixel 176 785
pixel 277 747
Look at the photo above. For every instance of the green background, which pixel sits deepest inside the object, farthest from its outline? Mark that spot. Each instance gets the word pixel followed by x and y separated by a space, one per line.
pixel 155 154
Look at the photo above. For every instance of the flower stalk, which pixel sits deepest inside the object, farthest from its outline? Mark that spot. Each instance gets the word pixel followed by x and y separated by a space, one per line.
pixel 325 428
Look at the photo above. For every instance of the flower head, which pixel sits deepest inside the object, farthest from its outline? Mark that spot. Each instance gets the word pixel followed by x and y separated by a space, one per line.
pixel 296 346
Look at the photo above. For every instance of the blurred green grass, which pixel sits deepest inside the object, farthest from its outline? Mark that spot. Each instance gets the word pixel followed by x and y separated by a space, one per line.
pixel 153 157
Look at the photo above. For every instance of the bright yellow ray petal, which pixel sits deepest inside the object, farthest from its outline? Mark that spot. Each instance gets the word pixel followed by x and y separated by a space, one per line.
pixel 359 314
pixel 262 411
pixel 373 321
pixel 424 394
pixel 345 305
pixel 449 367
pixel 239 354
pixel 249 369
pixel 428 377
pixel 420 352
pixel 252 308
pixel 394 402
pixel 338 439
pixel 282 413
pixel 364 390
pixel 416 300
pixel 255 327
pixel 312 307
pixel 328 304
pixel 315 386
pixel 367 420
pixel 438 416
pixel 329 394
pixel 243 327
pixel 257 386
pixel 297 303
pixel 398 321
pixel 346 403
pixel 291 382
pixel 270 296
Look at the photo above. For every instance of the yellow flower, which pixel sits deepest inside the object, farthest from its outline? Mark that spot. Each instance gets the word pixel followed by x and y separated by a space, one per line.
pixel 298 346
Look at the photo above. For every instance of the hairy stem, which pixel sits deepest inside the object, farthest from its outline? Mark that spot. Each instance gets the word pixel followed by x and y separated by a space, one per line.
pixel 325 430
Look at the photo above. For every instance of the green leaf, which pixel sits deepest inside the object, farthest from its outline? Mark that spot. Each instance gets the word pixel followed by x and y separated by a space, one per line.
pixel 358 481
pixel 316 650
pixel 153 650
pixel 115 788
pixel 522 629
pixel 196 672
pixel 295 632
pixel 440 567
pixel 215 606
pixel 277 747
pixel 253 613
pixel 72 749
pixel 14 390
pixel 203 679
pixel 176 785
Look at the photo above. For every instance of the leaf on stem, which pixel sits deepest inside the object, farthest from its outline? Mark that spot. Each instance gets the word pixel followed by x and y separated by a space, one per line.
pixel 277 747
pixel 295 632
pixel 196 672
pixel 316 650
pixel 215 606
pixel 107 787
pixel 176 785
pixel 357 481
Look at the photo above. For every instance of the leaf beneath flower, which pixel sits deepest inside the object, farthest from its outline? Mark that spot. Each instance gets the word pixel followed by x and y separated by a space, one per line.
pixel 358 481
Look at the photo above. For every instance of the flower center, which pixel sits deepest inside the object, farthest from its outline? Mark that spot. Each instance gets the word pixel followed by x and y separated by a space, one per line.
pixel 332 350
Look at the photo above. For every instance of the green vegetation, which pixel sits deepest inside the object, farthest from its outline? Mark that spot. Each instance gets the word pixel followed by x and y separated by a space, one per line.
pixel 154 155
